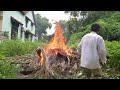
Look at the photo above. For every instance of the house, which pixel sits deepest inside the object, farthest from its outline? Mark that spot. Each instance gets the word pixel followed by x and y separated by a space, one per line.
pixel 19 24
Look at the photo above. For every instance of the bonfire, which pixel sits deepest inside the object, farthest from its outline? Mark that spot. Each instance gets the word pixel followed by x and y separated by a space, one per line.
pixel 56 55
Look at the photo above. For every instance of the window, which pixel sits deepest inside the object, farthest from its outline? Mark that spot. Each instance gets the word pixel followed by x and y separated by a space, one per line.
pixel 14 28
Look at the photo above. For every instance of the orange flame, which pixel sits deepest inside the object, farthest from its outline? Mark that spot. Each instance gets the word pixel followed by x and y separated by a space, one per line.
pixel 57 42
pixel 41 58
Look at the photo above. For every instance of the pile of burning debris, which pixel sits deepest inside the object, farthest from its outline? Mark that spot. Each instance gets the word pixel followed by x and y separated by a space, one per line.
pixel 56 55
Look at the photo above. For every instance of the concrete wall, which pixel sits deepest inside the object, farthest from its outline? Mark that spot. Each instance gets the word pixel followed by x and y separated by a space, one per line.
pixel 32 29
pixel 6 24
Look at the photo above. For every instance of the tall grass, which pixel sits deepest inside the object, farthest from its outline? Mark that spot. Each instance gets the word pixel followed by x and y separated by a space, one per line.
pixel 17 47
pixel 7 70
pixel 11 48
pixel 113 54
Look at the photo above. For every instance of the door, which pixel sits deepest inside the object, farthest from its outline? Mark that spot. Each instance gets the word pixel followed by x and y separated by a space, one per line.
pixel 14 29
pixel 14 32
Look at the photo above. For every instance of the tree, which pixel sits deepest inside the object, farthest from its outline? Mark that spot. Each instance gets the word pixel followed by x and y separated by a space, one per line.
pixel 88 17
pixel 109 21
pixel 42 23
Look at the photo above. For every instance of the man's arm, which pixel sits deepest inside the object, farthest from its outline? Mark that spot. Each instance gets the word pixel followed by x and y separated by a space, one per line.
pixel 102 50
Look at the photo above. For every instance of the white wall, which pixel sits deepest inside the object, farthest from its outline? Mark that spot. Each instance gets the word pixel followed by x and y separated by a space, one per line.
pixel 6 24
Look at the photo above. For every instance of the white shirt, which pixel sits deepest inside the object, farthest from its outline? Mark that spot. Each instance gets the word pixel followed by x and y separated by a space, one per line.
pixel 92 48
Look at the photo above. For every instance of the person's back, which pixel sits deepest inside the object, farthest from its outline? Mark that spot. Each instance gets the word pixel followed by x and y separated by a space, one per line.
pixel 92 48
pixel 89 56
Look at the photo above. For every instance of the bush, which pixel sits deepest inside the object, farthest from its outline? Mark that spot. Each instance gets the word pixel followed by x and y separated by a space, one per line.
pixel 11 48
pixel 17 47
pixel 75 38
pixel 113 54
pixel 7 71
pixel 110 27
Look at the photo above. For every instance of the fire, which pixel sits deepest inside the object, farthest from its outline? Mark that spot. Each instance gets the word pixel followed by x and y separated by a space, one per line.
pixel 40 54
pixel 57 42
pixel 42 59
pixel 56 45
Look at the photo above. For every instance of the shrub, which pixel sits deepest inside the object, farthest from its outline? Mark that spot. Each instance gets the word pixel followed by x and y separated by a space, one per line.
pixel 110 27
pixel 7 71
pixel 75 38
pixel 17 47
pixel 113 54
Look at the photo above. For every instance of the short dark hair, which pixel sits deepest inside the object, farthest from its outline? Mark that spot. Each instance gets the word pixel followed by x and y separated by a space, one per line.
pixel 95 27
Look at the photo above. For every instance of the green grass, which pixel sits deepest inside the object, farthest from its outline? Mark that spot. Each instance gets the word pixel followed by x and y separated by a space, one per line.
pixel 7 70
pixel 10 48
pixel 17 47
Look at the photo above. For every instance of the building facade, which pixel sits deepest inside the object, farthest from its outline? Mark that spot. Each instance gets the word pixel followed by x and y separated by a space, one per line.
pixel 18 24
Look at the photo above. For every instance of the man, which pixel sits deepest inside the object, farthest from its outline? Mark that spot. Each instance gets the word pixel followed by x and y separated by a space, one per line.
pixel 92 48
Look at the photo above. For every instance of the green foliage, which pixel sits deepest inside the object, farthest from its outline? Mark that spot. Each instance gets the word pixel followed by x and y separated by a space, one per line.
pixel 7 70
pixel 75 38
pixel 110 27
pixel 17 47
pixel 71 26
pixel 113 54
pixel 42 24
pixel 88 17
pixel 2 57
pixel 110 31
pixel 116 17
pixel 109 21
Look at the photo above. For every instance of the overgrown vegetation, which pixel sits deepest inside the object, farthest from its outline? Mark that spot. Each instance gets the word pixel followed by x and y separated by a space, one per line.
pixel 17 47
pixel 109 21
pixel 42 23
pixel 7 70
pixel 110 31
pixel 12 48
pixel 74 29
pixel 113 54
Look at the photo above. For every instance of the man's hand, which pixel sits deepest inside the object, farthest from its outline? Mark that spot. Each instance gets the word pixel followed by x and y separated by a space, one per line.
pixel 102 63
pixel 77 51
